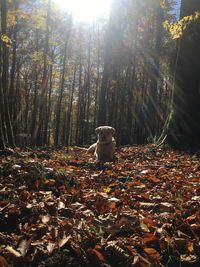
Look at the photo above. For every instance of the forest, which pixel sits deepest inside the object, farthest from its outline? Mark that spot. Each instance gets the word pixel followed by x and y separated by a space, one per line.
pixel 61 79
pixel 134 68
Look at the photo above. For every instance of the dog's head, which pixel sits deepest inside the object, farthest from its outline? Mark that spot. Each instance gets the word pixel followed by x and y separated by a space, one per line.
pixel 105 134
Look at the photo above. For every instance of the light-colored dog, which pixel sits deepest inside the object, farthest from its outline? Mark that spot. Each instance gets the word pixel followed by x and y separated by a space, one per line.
pixel 104 148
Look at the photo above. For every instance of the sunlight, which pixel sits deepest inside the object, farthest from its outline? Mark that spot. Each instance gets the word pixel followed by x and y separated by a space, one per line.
pixel 85 10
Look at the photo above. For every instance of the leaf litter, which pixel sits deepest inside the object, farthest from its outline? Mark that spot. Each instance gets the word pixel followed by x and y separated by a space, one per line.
pixel 59 208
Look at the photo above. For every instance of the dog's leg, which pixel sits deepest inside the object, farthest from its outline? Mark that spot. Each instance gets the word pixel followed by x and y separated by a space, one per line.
pixel 91 149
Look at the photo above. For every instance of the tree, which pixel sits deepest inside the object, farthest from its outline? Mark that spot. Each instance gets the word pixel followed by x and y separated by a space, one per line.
pixel 60 79
pixel 184 127
pixel 5 112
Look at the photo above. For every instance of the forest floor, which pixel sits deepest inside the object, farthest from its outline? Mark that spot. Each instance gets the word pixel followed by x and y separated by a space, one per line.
pixel 58 208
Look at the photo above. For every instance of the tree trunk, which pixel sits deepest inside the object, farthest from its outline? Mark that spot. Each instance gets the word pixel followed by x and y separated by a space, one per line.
pixel 184 127
pixel 60 96
pixel 4 76
pixel 43 100
pixel 68 117
pixel 13 67
pixel 153 108
pixel 34 127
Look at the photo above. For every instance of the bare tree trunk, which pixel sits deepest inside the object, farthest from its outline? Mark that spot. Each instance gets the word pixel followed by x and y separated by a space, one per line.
pixel 4 77
pixel 68 116
pixel 153 115
pixel 102 112
pixel 80 103
pixel 2 119
pixel 60 96
pixel 88 94
pixel 2 141
pixel 184 127
pixel 43 100
pixel 34 126
pixel 97 80
pixel 47 121
pixel 13 67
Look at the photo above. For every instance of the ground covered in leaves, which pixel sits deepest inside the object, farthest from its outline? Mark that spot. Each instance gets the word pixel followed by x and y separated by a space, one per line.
pixel 58 208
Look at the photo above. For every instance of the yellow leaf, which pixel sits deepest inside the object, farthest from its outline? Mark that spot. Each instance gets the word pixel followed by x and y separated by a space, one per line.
pixel 190 247
pixel 5 39
pixel 107 190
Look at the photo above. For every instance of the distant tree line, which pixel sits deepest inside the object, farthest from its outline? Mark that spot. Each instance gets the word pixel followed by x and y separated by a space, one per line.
pixel 59 79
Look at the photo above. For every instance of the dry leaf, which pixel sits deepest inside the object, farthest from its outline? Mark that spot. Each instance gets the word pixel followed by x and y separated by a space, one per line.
pixel 3 262
pixel 24 246
pixel 149 239
pixel 13 251
pixel 96 256
pixel 152 254
pixel 190 247
pixel 46 218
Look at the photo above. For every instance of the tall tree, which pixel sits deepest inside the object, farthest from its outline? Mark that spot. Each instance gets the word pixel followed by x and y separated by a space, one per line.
pixel 184 127
pixel 62 84
pixel 43 98
pixel 4 76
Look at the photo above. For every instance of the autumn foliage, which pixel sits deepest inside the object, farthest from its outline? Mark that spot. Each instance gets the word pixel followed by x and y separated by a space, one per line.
pixel 59 208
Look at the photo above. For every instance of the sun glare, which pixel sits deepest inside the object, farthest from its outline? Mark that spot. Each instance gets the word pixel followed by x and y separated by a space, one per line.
pixel 85 10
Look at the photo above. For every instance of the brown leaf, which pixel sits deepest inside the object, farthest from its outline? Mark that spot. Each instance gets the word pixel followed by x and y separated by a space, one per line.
pixel 150 239
pixel 3 203
pixel 95 256
pixel 3 262
pixel 154 179
pixel 147 205
pixel 24 195
pixel 152 254
pixel 164 207
pixel 149 222
pixel 14 212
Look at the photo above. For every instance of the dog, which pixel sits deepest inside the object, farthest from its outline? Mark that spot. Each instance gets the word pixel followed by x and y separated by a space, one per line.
pixel 104 148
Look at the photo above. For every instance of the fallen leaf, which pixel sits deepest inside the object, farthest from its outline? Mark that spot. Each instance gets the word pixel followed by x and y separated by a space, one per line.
pixel 13 251
pixel 64 240
pixel 51 246
pixel 152 254
pixel 188 258
pixel 144 227
pixel 95 256
pixel 150 239
pixel 46 218
pixel 3 262
pixel 24 246
pixel 190 247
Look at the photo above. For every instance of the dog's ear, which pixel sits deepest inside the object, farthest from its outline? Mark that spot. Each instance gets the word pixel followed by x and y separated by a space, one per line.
pixel 112 130
pixel 98 130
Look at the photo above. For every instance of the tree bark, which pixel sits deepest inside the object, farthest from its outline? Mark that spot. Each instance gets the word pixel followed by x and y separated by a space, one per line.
pixel 60 96
pixel 43 100
pixel 4 76
pixel 184 127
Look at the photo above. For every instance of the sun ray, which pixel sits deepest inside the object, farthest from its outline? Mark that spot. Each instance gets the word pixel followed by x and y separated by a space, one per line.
pixel 85 10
